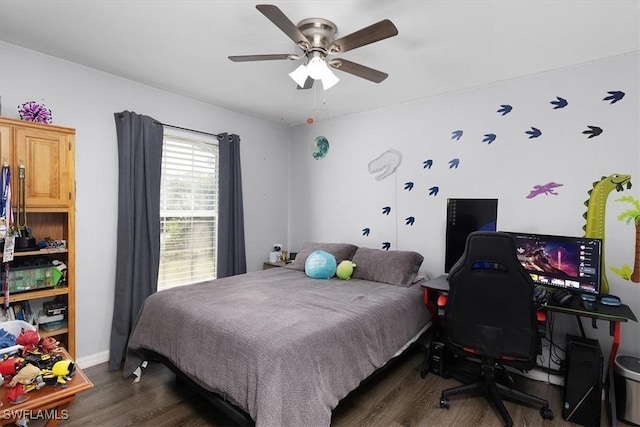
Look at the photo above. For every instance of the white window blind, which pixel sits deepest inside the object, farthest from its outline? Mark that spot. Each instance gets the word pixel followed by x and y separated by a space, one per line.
pixel 188 210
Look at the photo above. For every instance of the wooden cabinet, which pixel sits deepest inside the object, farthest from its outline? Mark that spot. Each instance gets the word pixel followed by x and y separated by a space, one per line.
pixel 48 155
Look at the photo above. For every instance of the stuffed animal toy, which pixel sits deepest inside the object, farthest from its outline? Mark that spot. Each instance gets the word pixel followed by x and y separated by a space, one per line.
pixel 60 373
pixel 16 395
pixel 26 375
pixel 48 344
pixel 9 367
pixel 41 360
pixel 320 265
pixel 345 269
pixel 29 340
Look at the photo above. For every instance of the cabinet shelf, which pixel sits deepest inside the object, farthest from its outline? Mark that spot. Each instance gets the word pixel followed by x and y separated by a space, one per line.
pixel 51 251
pixel 53 209
pixel 53 332
pixel 43 293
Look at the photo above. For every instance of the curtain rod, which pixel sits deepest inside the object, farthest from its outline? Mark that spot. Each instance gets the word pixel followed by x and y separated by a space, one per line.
pixel 187 129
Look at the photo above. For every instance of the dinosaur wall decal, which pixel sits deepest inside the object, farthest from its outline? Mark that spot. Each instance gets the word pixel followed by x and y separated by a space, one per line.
pixel 595 214
pixel 385 164
pixel 547 188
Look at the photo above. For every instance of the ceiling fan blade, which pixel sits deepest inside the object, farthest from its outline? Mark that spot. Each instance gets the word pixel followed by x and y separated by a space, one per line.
pixel 308 84
pixel 373 33
pixel 276 16
pixel 270 57
pixel 358 70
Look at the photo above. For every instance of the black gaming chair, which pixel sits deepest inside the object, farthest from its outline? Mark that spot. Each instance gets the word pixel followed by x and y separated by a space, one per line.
pixel 490 315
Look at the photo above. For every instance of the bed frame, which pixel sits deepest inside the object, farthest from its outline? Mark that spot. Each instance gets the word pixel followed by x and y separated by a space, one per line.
pixel 238 415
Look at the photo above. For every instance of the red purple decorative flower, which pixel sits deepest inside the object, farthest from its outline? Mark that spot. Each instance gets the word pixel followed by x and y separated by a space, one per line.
pixel 33 112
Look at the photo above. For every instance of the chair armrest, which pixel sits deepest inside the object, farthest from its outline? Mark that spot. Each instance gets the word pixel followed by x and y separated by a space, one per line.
pixel 442 302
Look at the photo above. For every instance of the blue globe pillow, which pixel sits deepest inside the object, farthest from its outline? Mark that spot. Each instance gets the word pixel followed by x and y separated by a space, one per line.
pixel 320 265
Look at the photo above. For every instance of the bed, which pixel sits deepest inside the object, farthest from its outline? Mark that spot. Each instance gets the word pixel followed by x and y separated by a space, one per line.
pixel 279 345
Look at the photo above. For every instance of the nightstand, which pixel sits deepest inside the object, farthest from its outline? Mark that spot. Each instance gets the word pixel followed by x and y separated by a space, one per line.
pixel 267 265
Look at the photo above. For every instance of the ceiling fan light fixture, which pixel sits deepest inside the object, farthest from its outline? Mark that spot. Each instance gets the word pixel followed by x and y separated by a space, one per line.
pixel 316 38
pixel 300 75
pixel 329 80
pixel 319 70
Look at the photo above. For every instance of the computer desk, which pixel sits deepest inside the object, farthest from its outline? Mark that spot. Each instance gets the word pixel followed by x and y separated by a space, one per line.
pixel 614 315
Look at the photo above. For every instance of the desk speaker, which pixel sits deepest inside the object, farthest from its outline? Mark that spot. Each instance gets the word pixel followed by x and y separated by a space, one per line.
pixel 583 381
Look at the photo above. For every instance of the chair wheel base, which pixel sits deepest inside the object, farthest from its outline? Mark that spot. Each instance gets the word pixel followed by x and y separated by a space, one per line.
pixel 546 413
pixel 444 402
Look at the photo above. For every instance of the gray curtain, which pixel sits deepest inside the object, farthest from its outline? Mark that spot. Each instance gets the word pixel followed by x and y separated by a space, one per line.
pixel 138 245
pixel 231 247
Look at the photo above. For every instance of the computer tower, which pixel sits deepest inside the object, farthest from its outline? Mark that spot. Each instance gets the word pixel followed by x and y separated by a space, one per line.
pixel 438 358
pixel 583 381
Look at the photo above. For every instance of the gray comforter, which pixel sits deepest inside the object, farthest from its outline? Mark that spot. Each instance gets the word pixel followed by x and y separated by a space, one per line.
pixel 281 346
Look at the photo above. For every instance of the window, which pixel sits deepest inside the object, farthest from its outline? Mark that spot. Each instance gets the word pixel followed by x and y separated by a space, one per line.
pixel 188 209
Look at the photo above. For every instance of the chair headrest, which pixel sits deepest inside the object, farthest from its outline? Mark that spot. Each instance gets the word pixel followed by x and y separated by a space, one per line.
pixel 489 250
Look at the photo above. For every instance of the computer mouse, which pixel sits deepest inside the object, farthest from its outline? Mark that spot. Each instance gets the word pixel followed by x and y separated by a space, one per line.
pixel 587 305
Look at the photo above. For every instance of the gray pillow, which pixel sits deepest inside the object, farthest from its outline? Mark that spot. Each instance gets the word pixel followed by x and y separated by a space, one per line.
pixel 340 251
pixel 393 267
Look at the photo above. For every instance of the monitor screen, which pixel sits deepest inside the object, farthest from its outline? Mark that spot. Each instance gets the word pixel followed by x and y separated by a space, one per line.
pixel 571 263
pixel 465 216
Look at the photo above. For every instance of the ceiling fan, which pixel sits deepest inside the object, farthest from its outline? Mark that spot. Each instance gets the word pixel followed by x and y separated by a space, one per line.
pixel 316 38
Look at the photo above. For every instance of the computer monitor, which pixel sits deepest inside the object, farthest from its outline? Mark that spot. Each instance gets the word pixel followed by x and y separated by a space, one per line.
pixel 465 216
pixel 570 263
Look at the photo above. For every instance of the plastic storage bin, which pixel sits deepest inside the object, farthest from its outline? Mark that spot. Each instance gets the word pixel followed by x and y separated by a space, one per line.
pixel 15 327
pixel 626 372
pixel 29 278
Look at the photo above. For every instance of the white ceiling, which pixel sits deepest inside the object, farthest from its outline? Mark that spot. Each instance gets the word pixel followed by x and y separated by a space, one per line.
pixel 442 46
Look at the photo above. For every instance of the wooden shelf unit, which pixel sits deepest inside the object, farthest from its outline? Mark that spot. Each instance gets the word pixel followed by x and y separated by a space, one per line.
pixel 48 155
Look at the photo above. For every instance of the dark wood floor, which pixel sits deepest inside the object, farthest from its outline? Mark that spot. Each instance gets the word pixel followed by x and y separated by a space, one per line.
pixel 398 397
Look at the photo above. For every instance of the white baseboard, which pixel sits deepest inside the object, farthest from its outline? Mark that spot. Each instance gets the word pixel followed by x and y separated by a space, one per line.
pixel 93 359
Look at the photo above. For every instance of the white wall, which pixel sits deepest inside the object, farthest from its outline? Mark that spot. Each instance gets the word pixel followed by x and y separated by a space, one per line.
pixel 86 99
pixel 335 198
